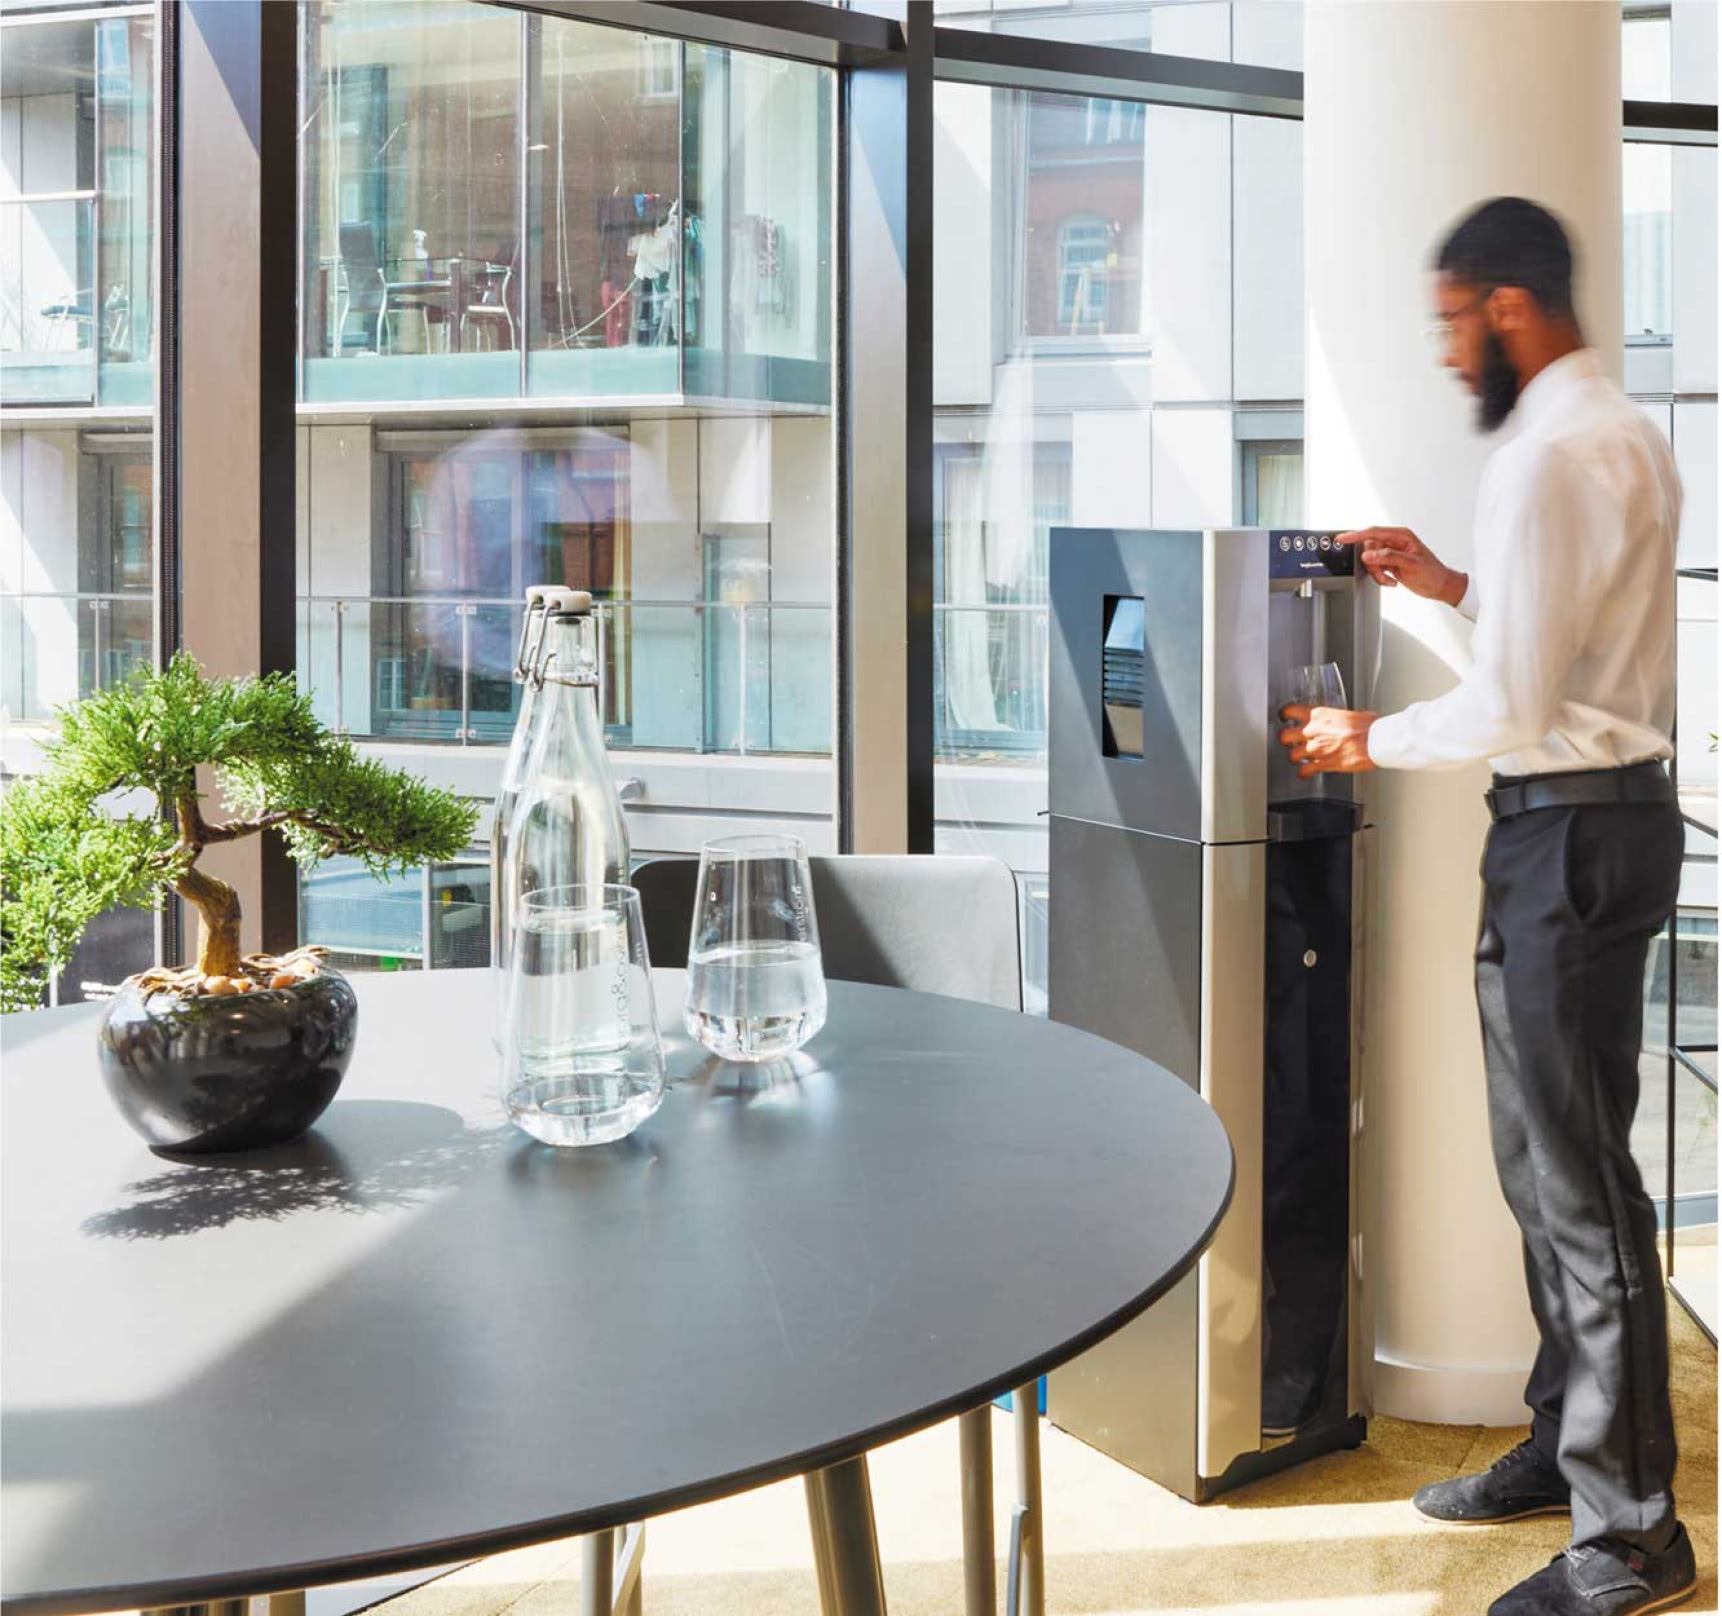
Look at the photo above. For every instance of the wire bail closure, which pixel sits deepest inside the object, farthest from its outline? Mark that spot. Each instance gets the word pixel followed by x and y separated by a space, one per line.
pixel 556 604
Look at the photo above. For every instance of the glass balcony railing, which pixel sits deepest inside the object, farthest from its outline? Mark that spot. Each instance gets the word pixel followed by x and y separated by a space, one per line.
pixel 48 300
pixel 692 676
pixel 742 678
pixel 56 648
pixel 686 676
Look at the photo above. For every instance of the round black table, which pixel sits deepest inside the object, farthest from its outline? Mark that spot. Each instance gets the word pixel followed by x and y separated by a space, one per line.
pixel 417 1335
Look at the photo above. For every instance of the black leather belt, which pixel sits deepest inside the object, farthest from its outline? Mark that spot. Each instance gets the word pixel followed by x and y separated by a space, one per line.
pixel 1638 782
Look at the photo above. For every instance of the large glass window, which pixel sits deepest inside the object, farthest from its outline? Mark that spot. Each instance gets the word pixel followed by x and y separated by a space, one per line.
pixel 76 592
pixel 500 205
pixel 1112 321
pixel 76 191
pixel 77 378
pixel 669 325
pixel 1647 179
pixel 607 223
pixel 412 226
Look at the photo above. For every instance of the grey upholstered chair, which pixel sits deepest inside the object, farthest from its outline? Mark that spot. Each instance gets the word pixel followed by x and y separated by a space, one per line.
pixel 934 925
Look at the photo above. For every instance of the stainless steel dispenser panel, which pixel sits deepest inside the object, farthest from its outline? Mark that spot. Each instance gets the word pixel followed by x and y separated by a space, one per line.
pixel 1229 1307
pixel 1124 940
pixel 1100 574
pixel 1360 1389
pixel 1235 651
pixel 1124 953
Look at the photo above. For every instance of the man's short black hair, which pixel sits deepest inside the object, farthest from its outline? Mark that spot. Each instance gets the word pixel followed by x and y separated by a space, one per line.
pixel 1511 242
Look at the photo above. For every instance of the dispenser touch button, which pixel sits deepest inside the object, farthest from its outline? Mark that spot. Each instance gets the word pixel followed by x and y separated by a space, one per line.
pixel 1308 555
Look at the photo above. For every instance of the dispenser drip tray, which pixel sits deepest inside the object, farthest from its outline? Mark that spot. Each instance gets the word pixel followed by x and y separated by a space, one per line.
pixel 1305 818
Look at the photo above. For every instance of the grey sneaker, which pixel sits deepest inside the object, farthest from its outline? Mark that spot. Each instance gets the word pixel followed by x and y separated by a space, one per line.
pixel 1605 1578
pixel 1517 1485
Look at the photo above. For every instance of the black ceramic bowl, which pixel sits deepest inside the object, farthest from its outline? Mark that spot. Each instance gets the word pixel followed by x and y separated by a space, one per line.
pixel 235 1072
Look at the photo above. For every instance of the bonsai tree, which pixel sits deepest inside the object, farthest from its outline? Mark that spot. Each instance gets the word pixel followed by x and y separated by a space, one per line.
pixel 69 851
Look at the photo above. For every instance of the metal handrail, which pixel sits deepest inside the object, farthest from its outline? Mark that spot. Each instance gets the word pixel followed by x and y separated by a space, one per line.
pixel 77 594
pixel 628 604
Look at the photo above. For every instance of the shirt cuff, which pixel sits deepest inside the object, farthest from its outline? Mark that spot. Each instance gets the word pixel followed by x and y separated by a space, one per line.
pixel 1468 602
pixel 1390 742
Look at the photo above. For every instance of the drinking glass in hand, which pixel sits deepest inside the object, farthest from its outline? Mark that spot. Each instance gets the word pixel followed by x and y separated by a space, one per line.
pixel 1314 684
pixel 582 1060
pixel 756 985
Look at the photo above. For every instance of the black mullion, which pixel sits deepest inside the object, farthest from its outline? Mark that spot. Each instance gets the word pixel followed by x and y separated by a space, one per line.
pixel 918 719
pixel 843 594
pixel 277 383
pixel 170 917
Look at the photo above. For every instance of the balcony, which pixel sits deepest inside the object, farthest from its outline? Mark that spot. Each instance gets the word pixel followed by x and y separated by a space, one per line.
pixel 630 218
pixel 56 648
pixel 47 300
pixel 78 177
pixel 708 677
pixel 696 676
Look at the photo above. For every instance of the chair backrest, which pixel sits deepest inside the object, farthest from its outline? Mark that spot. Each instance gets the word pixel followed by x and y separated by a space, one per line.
pixel 364 270
pixel 936 925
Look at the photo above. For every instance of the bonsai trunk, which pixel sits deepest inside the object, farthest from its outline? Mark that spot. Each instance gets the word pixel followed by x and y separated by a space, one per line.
pixel 217 906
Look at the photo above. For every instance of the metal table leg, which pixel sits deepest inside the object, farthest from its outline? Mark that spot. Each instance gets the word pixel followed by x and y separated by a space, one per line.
pixel 845 1544
pixel 597 1571
pixel 630 1562
pixel 980 1574
pixel 1025 1593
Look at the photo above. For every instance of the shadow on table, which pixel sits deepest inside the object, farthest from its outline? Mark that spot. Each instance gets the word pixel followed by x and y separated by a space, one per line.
pixel 721 1079
pixel 363 1156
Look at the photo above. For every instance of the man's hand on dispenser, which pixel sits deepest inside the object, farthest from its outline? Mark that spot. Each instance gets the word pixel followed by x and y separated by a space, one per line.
pixel 1327 740
pixel 1395 555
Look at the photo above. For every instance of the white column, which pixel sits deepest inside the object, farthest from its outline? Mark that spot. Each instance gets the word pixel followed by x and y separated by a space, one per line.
pixel 1413 113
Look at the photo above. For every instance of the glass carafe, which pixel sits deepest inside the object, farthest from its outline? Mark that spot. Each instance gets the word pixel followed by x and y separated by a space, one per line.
pixel 567 827
pixel 514 769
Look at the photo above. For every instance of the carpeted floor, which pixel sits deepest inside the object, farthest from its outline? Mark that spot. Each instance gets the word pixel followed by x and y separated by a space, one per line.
pixel 1336 1536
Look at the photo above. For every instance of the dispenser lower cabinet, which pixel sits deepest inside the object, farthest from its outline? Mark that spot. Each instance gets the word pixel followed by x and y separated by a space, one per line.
pixel 1242 1368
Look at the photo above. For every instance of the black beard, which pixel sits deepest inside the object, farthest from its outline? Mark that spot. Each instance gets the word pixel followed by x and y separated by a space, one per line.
pixel 1500 385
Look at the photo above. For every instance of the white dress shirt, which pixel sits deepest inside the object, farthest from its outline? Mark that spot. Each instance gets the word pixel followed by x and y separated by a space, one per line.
pixel 1572 591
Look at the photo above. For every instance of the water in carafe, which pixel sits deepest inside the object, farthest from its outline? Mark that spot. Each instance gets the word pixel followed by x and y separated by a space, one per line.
pixel 566 827
pixel 572 988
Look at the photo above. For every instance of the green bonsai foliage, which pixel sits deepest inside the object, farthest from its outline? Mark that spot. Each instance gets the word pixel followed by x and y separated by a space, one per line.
pixel 64 858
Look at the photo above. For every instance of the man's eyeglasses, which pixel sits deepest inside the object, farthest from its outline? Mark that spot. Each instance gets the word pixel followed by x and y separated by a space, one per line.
pixel 1441 327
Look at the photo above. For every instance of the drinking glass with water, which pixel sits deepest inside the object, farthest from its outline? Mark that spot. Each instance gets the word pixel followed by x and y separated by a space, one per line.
pixel 1308 684
pixel 582 1059
pixel 756 983
pixel 1314 684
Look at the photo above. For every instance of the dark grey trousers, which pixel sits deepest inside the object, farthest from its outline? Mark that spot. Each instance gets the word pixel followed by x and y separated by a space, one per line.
pixel 1571 899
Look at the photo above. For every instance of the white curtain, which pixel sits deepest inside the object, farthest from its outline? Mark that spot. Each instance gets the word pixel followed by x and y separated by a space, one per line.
pixel 1279 490
pixel 969 700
